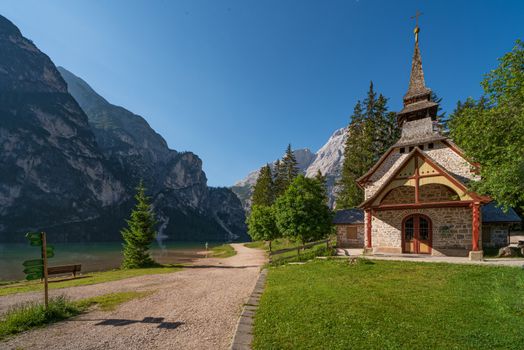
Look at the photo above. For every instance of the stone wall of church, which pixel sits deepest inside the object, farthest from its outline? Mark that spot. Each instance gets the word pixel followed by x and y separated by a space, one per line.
pixel 400 195
pixel 452 162
pixel 384 171
pixel 451 230
pixel 437 193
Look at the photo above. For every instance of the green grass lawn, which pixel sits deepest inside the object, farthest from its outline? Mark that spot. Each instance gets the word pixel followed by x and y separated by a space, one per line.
pixel 391 305
pixel 89 278
pixel 222 251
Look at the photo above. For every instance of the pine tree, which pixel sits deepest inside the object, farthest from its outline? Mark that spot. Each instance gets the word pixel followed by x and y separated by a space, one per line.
pixel 356 149
pixel 264 190
pixel 139 233
pixel 278 178
pixel 372 130
pixel 290 166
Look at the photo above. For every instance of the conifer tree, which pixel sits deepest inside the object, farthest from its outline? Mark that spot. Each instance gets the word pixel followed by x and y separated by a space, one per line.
pixel 264 191
pixel 290 166
pixel 139 233
pixel 372 130
pixel 278 178
pixel 357 150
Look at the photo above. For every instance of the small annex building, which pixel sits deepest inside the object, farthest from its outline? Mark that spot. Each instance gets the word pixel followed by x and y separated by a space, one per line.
pixel 416 196
pixel 349 224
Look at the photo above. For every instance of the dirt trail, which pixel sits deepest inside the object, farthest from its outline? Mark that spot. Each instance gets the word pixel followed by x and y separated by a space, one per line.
pixel 196 308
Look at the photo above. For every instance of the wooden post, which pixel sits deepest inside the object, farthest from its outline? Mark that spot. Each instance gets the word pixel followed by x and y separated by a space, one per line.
pixel 475 228
pixel 44 258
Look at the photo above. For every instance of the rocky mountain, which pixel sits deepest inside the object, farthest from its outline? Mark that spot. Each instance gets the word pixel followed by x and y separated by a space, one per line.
pixel 328 159
pixel 244 188
pixel 71 160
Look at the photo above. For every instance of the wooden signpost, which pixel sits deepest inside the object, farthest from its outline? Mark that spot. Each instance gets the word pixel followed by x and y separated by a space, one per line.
pixel 37 268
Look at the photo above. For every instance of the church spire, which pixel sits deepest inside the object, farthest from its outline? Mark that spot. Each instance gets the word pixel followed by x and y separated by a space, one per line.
pixel 417 100
pixel 417 85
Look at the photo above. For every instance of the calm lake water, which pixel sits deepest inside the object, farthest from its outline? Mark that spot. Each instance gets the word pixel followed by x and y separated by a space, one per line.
pixel 92 256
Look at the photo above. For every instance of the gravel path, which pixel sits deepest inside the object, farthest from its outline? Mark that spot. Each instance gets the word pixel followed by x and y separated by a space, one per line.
pixel 196 308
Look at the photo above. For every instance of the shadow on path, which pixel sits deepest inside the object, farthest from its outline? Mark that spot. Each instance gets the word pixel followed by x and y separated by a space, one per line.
pixel 118 322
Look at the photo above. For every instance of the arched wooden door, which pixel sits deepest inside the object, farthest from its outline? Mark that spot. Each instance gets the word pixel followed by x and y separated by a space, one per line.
pixel 416 234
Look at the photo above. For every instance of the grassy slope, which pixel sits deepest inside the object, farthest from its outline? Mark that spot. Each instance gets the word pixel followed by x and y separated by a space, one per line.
pixel 90 278
pixel 284 243
pixel 222 251
pixel 391 305
pixel 32 315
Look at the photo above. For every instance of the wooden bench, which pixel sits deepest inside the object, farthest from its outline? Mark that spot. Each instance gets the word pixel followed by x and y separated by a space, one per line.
pixel 63 269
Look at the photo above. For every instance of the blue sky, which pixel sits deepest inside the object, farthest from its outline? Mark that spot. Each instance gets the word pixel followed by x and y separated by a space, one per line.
pixel 236 81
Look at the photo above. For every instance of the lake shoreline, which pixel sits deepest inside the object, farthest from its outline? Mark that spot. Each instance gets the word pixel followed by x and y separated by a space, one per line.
pixel 94 257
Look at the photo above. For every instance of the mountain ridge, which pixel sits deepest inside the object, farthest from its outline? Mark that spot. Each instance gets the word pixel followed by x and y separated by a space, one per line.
pixel 328 160
pixel 71 160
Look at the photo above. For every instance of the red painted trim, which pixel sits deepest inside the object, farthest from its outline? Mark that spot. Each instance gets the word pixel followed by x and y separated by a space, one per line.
pixel 424 205
pixel 475 228
pixel 368 228
pixel 416 232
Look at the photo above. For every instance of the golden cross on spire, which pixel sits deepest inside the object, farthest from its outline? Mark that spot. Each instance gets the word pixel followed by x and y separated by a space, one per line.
pixel 417 29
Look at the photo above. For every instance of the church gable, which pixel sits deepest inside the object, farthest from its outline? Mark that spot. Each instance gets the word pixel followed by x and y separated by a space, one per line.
pixel 450 157
pixel 418 179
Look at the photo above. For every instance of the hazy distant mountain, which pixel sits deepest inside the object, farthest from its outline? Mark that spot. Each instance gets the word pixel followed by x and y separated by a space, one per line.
pixel 71 160
pixel 328 159
pixel 244 188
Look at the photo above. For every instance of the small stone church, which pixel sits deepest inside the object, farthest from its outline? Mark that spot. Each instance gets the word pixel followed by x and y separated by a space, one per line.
pixel 416 196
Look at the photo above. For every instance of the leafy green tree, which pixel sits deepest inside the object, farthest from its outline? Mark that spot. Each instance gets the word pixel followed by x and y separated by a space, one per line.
pixel 264 189
pixel 491 131
pixel 302 212
pixel 139 233
pixel 262 225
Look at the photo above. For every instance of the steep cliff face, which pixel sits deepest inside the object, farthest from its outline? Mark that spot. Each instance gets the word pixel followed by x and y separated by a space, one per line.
pixel 187 209
pixel 51 169
pixel 74 173
pixel 328 159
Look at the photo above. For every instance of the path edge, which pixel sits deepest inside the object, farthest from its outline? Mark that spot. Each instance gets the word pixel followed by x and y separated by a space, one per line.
pixel 244 329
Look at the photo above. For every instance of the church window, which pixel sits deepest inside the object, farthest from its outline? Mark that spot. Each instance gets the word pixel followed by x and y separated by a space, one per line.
pixel 423 229
pixel 410 229
pixel 411 148
pixel 402 150
pixel 431 145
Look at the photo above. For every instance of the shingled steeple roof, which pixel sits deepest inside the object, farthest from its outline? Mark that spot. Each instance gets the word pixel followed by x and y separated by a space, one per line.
pixel 417 100
pixel 417 85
